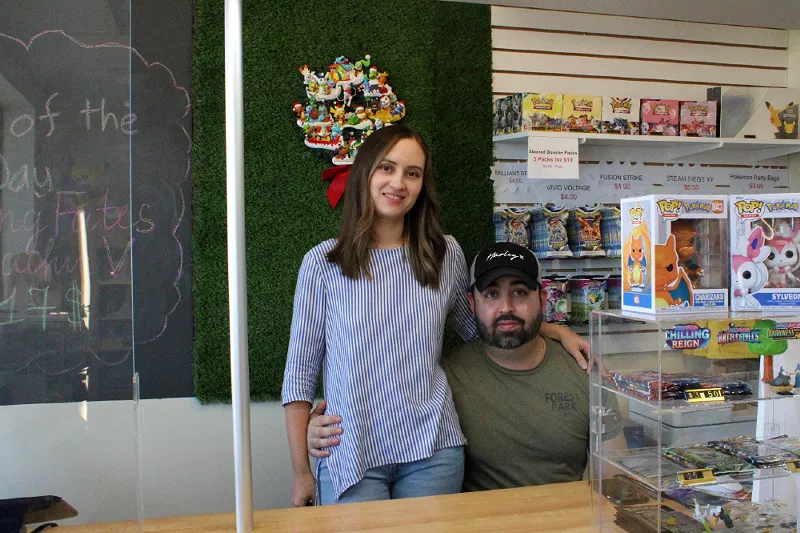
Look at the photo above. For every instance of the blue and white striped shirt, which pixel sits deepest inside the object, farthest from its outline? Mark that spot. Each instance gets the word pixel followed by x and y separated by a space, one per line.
pixel 380 343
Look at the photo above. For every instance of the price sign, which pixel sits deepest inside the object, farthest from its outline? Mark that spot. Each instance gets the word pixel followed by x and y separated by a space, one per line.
pixel 553 158
pixel 757 180
pixel 696 477
pixel 692 180
pixel 793 466
pixel 704 395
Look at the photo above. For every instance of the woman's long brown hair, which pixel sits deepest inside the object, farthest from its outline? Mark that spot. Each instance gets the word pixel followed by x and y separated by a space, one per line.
pixel 426 244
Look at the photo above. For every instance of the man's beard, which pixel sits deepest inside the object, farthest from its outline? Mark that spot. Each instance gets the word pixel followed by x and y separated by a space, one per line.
pixel 509 340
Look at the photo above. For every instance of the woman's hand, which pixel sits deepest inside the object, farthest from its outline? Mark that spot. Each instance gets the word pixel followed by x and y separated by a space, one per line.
pixel 303 489
pixel 578 347
pixel 319 435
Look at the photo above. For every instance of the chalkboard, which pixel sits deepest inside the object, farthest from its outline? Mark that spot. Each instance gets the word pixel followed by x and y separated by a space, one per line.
pixel 95 211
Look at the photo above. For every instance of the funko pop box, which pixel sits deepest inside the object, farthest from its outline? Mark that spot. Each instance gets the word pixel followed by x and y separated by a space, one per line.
pixel 765 252
pixel 674 253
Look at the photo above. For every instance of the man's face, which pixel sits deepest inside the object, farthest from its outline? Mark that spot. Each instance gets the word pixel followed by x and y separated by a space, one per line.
pixel 508 313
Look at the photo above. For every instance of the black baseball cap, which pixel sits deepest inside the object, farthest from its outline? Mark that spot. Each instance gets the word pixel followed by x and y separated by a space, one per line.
pixel 505 259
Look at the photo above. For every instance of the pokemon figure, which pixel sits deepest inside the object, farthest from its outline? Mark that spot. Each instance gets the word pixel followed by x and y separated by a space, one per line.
pixel 672 283
pixel 685 236
pixel 637 263
pixel 749 273
pixel 783 257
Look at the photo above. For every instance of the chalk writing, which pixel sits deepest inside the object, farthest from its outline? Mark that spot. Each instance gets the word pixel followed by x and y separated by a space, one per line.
pixel 89 185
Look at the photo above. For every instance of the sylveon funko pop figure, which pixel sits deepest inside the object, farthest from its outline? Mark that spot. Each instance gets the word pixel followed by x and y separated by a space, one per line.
pixel 783 258
pixel 766 230
pixel 666 240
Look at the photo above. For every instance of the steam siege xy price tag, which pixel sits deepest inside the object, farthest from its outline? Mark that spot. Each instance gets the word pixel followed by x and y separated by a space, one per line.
pixel 552 158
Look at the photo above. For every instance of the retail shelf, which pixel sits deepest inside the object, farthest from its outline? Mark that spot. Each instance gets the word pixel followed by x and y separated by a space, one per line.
pixel 761 392
pixel 581 265
pixel 640 463
pixel 672 148
pixel 666 320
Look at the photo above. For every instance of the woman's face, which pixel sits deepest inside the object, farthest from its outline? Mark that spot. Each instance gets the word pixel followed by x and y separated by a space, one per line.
pixel 397 181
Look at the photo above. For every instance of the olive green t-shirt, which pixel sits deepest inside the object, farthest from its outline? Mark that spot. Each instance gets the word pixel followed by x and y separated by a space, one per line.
pixel 523 427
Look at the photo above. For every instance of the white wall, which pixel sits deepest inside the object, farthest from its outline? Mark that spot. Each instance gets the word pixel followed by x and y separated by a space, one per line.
pixel 767 14
pixel 86 453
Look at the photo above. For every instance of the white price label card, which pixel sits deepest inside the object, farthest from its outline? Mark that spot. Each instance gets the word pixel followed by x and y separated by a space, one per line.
pixel 559 192
pixel 621 181
pixel 552 158
pixel 758 180
pixel 693 180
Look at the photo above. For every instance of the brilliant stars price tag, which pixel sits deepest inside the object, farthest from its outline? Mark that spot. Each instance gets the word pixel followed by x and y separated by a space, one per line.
pixel 552 158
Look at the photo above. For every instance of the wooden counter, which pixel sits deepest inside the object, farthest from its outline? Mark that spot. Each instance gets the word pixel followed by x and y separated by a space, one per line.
pixel 562 508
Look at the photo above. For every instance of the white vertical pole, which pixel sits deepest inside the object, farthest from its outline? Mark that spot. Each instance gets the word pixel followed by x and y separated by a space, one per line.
pixel 237 275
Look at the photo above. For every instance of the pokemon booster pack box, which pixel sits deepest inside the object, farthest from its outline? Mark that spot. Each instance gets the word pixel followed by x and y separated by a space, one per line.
pixel 765 252
pixel 674 254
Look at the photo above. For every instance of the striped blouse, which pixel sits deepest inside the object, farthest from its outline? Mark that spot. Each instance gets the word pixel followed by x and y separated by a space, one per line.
pixel 379 342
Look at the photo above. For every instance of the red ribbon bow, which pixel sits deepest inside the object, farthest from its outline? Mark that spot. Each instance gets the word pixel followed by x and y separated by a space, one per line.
pixel 339 175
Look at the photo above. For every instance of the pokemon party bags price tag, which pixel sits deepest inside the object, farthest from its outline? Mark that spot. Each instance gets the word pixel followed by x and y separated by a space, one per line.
pixel 552 158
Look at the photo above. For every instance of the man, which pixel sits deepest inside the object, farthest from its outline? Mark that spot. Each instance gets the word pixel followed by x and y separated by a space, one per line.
pixel 522 402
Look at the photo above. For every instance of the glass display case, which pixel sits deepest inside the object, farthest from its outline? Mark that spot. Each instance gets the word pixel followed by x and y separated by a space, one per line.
pixel 692 429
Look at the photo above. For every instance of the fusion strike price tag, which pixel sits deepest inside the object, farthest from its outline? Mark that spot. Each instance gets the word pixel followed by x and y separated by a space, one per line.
pixel 696 477
pixel 793 466
pixel 704 395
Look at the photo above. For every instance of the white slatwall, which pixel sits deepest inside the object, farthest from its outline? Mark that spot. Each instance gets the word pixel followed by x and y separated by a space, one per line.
pixel 538 50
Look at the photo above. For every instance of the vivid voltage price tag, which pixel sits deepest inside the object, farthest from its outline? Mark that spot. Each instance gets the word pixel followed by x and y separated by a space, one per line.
pixel 793 466
pixel 552 158
pixel 696 477
pixel 704 395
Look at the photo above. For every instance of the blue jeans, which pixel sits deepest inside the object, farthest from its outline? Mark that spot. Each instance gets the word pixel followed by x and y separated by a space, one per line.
pixel 442 473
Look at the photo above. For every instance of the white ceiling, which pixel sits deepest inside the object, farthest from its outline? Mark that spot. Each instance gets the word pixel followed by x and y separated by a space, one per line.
pixel 783 14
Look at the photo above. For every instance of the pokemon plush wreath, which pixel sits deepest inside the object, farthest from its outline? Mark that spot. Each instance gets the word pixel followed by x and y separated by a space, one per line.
pixel 344 104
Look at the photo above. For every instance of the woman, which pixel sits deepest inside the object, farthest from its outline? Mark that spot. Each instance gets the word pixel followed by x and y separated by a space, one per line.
pixel 371 307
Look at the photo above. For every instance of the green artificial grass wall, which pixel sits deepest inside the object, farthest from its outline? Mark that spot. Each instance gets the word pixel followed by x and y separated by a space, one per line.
pixel 438 56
